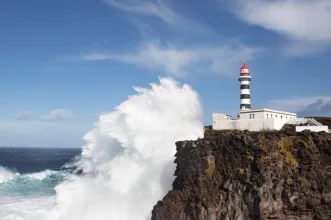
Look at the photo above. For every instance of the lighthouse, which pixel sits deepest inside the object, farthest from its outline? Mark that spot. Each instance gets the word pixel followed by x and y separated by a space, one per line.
pixel 262 119
pixel 245 90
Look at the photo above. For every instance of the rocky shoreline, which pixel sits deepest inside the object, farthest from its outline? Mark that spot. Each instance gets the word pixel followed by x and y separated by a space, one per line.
pixel 241 175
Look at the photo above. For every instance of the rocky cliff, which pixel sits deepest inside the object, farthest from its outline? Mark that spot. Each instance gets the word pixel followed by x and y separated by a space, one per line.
pixel 239 175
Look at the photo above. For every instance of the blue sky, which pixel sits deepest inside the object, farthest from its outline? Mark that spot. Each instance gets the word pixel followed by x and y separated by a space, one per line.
pixel 63 62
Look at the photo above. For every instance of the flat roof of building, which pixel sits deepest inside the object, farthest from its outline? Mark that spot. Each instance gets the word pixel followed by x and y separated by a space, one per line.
pixel 267 110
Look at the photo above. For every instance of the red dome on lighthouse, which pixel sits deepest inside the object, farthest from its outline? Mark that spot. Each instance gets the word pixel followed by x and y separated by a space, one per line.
pixel 244 66
pixel 244 70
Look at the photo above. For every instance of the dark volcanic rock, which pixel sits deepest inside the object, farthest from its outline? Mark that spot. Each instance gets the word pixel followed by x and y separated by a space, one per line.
pixel 239 175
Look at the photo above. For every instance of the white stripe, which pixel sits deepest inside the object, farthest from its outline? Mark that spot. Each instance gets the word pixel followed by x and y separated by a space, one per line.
pixel 245 71
pixel 245 91
pixel 245 82
pixel 245 101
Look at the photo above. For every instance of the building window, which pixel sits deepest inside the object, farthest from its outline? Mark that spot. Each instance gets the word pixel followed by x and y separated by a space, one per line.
pixel 281 117
pixel 267 115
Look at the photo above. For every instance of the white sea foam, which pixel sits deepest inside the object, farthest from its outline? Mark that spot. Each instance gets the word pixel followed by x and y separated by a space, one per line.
pixel 25 208
pixel 6 174
pixel 131 153
pixel 129 157
pixel 17 202
pixel 41 175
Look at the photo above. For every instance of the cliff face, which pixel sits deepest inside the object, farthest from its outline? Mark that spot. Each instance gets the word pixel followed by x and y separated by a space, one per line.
pixel 239 175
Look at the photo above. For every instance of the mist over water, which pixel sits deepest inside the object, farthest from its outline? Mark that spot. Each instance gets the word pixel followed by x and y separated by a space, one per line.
pixel 129 155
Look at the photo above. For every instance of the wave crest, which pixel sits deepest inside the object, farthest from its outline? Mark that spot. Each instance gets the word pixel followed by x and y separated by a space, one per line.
pixel 39 183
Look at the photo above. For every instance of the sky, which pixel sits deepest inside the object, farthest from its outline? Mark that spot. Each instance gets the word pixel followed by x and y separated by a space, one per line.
pixel 64 62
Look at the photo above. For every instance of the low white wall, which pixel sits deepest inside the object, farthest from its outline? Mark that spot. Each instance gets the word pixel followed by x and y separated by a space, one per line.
pixel 312 128
pixel 257 124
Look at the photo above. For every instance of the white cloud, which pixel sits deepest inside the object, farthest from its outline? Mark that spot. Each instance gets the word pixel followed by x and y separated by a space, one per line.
pixel 178 61
pixel 178 58
pixel 305 22
pixel 158 9
pixel 296 103
pixel 23 116
pixel 58 114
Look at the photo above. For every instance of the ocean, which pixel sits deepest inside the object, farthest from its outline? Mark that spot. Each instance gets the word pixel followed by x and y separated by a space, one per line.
pixel 29 174
pixel 127 158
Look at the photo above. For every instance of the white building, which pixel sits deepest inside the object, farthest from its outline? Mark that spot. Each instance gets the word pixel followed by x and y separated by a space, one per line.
pixel 261 119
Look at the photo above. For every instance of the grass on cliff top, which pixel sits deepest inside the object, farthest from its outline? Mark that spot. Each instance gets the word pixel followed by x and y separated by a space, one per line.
pixel 285 144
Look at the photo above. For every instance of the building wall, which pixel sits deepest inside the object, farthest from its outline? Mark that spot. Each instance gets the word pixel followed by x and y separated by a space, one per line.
pixel 312 128
pixel 217 116
pixel 265 114
pixel 220 122
pixel 249 115
pixel 257 124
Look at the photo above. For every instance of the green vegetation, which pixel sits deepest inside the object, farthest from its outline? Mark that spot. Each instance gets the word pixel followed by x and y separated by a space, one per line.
pixel 285 145
pixel 304 144
pixel 211 168
pixel 301 179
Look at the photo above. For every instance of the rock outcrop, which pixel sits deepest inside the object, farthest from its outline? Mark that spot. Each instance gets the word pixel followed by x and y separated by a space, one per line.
pixel 241 175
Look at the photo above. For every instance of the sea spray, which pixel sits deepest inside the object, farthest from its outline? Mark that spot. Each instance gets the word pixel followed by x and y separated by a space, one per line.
pixel 129 155
pixel 6 174
pixel 27 196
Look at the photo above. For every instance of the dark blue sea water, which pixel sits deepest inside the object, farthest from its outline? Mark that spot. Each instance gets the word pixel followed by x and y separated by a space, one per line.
pixel 28 177
pixel 31 160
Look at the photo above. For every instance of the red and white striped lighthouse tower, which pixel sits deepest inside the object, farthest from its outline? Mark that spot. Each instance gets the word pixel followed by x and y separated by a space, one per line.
pixel 245 90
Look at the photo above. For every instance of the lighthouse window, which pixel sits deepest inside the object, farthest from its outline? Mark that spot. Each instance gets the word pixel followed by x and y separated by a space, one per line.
pixel 270 115
pixel 281 117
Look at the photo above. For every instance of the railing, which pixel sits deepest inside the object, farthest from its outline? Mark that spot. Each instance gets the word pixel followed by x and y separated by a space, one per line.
pixel 316 123
pixel 310 121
